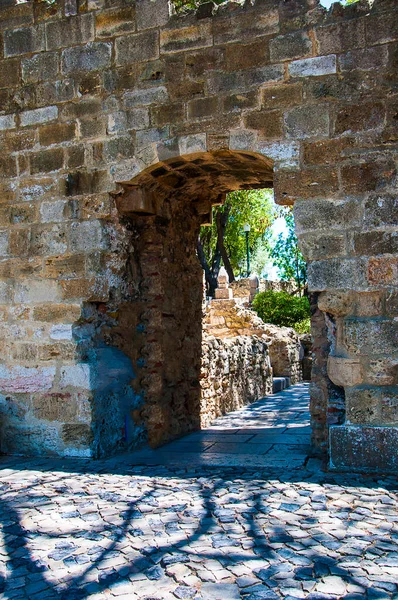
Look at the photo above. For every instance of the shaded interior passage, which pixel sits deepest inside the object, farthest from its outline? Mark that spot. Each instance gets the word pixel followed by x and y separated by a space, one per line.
pixel 272 432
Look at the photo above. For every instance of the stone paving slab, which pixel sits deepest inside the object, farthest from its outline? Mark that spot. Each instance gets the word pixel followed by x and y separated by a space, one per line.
pixel 113 530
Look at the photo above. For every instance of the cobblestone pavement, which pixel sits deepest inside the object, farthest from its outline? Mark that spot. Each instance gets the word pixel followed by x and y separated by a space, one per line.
pixel 111 529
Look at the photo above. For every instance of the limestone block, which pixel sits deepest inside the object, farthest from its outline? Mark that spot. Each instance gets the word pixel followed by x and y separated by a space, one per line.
pixel 223 294
pixel 92 57
pixel 7 122
pixel 344 371
pixel 313 67
pixel 70 32
pixel 353 447
pixel 23 380
pixel 39 115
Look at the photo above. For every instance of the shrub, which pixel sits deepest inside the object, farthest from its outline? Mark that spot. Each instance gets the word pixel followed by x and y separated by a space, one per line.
pixel 280 308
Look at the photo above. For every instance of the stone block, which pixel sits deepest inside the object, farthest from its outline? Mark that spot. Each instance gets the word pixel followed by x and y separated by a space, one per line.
pixel 269 123
pixel 137 47
pixel 203 107
pixel 192 143
pixel 57 313
pixel 345 372
pixel 39 115
pixel 78 435
pixel 306 183
pixel 70 32
pixel 7 122
pixel 82 182
pixel 223 294
pixel 327 152
pixel 320 246
pixel 289 46
pixel 24 41
pixel 313 67
pixel 380 371
pixel 354 118
pixel 286 155
pixel 307 121
pixel 10 72
pixel 282 96
pixel 85 236
pixel 367 177
pixel 381 209
pixel 336 302
pixel 24 380
pixel 78 376
pixel 15 16
pixel 6 292
pixel 62 267
pixel 186 38
pixel 61 331
pixel 383 271
pixel 237 102
pixel 46 161
pixel 115 21
pixel 340 37
pixel 373 449
pixel 242 139
pixel 166 114
pixel 336 273
pixel 246 26
pixel 55 407
pixel 41 67
pixel 94 56
pixel 364 59
pixel 246 56
pixel 369 243
pixel 154 95
pixel 152 14
pixel 57 133
pixel 126 170
pixel 327 214
pixel 370 337
pixel 32 291
pixel 380 30
pixel 8 166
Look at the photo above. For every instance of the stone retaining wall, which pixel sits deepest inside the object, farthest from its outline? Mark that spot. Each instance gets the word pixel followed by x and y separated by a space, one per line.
pixel 227 319
pixel 235 371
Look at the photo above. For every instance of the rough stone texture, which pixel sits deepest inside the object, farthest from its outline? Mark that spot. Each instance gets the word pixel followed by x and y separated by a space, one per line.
pixel 310 109
pixel 228 319
pixel 235 371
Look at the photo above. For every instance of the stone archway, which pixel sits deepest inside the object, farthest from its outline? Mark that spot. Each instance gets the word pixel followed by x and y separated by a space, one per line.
pixel 90 102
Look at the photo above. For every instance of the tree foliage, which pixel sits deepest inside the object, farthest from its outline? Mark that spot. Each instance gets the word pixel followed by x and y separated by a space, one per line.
pixel 224 241
pixel 286 255
pixel 284 310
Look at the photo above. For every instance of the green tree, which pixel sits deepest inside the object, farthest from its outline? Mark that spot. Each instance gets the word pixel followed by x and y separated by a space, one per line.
pixel 284 310
pixel 224 241
pixel 286 255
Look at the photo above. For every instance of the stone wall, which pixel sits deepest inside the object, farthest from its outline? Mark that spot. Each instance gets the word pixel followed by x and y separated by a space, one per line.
pixel 120 126
pixel 241 287
pixel 228 319
pixel 235 371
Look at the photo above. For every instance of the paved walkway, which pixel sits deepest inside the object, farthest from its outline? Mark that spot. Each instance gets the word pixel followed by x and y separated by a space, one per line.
pixel 107 529
pixel 273 432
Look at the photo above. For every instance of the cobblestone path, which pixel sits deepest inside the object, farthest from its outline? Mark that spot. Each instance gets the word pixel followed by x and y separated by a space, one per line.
pixel 109 529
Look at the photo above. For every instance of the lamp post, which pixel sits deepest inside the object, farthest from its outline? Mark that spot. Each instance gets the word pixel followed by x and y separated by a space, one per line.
pixel 246 229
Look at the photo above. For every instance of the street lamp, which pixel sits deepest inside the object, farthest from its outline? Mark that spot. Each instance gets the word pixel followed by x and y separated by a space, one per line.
pixel 246 229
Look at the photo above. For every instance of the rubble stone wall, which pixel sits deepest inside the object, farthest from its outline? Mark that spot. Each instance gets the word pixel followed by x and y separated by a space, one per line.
pixel 235 371
pixel 119 127
pixel 228 319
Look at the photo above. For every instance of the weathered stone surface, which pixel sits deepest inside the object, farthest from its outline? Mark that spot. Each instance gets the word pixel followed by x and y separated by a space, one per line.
pixel 100 97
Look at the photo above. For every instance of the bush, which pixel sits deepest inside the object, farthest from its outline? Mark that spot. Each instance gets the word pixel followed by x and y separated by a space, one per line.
pixel 280 308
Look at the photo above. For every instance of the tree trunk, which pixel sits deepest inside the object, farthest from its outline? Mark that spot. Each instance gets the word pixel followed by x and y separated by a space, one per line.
pixel 221 223
pixel 211 280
